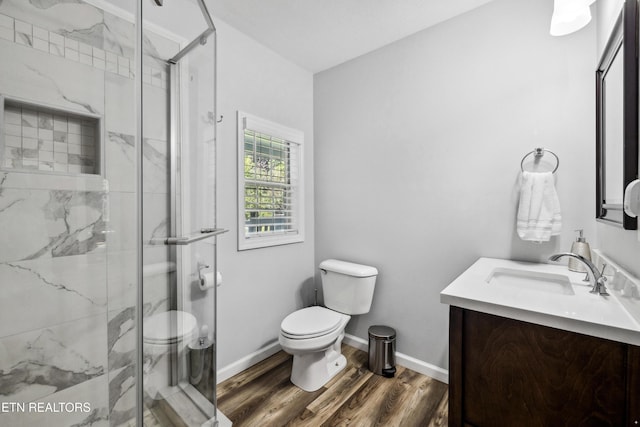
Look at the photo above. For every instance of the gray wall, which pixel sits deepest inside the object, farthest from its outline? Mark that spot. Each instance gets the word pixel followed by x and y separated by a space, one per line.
pixel 261 286
pixel 417 155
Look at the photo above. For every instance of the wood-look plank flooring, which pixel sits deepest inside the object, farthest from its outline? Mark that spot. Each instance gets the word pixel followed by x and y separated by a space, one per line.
pixel 263 396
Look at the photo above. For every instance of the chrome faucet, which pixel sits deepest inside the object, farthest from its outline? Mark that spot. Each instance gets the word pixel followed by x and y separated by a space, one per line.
pixel 598 278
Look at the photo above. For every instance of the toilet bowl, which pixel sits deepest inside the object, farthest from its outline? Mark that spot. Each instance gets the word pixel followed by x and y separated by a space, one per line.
pixel 314 335
pixel 164 334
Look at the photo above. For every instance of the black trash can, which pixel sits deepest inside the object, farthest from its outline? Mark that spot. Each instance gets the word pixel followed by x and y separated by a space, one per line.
pixel 382 350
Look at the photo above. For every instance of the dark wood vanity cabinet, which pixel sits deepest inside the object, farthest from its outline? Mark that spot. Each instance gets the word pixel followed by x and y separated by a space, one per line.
pixel 505 372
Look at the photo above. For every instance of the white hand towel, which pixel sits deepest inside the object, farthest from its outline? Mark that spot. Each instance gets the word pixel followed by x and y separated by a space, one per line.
pixel 539 215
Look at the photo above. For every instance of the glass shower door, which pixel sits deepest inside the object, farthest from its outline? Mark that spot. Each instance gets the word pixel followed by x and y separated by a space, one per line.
pixel 86 275
pixel 178 187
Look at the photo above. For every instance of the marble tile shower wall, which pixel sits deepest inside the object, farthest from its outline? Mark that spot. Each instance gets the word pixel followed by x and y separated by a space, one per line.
pixel 67 271
pixel 56 43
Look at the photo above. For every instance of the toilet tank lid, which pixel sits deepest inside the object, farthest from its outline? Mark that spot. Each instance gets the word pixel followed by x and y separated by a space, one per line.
pixel 348 268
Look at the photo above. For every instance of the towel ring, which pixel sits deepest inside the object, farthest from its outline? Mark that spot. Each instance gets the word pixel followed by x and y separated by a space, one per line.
pixel 538 153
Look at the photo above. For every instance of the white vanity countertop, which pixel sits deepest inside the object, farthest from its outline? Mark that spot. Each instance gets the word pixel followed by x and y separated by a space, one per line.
pixel 579 311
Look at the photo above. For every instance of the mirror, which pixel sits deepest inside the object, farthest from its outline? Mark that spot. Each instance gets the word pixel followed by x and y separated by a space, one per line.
pixel 617 119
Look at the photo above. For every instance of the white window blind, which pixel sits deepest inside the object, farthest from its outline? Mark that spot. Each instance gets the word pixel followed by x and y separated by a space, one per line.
pixel 270 177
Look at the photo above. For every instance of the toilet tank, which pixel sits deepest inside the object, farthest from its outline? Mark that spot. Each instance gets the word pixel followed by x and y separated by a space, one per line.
pixel 347 287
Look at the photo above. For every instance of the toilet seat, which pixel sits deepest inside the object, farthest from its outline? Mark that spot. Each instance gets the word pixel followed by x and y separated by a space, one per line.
pixel 162 328
pixel 311 322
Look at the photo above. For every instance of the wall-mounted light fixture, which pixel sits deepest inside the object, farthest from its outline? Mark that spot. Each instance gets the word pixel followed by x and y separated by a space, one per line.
pixel 569 16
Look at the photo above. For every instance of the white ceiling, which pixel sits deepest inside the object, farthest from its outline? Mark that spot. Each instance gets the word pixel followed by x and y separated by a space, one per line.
pixel 319 34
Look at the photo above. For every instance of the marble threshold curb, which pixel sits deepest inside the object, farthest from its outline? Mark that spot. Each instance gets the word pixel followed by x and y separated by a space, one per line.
pixel 412 363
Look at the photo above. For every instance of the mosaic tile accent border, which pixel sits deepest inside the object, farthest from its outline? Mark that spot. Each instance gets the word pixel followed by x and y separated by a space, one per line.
pixel 49 140
pixel 25 34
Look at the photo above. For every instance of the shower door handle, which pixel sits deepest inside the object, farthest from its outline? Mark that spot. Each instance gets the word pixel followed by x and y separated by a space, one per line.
pixel 204 233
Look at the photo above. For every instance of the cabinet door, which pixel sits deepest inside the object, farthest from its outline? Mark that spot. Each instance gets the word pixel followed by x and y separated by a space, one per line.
pixel 633 384
pixel 520 374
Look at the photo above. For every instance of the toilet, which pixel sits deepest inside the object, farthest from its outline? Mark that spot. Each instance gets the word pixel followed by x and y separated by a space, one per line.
pixel 313 335
pixel 165 333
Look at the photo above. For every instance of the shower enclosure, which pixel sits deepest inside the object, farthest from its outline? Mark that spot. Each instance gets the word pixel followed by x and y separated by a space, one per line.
pixel 107 213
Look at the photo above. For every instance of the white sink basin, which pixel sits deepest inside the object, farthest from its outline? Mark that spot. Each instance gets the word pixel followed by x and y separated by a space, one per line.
pixel 545 294
pixel 536 281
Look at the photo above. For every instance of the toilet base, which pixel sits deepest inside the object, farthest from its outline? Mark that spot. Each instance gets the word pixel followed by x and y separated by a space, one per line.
pixel 311 371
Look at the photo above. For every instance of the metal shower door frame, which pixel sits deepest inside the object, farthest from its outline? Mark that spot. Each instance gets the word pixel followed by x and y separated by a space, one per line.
pixel 175 133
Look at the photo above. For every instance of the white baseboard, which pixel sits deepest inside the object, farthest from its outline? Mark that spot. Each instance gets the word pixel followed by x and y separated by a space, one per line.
pixel 247 361
pixel 402 359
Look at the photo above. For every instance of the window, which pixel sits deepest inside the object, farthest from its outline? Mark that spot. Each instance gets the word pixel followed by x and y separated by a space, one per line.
pixel 269 183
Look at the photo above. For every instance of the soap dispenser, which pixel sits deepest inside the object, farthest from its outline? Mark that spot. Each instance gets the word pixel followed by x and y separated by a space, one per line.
pixel 579 247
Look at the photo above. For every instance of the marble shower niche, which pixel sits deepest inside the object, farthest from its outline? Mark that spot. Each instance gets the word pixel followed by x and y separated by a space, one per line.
pixel 39 138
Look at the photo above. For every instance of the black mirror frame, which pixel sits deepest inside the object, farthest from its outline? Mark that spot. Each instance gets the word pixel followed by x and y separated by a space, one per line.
pixel 625 32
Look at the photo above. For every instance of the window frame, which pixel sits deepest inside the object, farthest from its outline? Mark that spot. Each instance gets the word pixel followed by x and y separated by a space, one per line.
pixel 247 241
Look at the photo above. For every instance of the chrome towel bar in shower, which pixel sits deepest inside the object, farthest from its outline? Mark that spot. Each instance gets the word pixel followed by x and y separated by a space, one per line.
pixel 204 233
